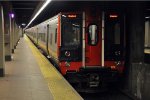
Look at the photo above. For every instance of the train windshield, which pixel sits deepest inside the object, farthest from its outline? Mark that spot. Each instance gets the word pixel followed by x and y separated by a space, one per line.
pixel 114 37
pixel 71 30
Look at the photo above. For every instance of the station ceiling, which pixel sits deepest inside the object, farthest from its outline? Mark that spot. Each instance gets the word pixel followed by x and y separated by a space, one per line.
pixel 24 10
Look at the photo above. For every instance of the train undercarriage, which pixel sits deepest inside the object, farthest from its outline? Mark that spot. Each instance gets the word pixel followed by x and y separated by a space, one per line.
pixel 92 79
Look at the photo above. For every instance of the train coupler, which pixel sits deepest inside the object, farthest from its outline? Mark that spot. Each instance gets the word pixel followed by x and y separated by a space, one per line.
pixel 94 80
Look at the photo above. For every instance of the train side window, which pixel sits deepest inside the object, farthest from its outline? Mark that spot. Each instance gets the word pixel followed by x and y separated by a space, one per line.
pixel 55 35
pixel 92 34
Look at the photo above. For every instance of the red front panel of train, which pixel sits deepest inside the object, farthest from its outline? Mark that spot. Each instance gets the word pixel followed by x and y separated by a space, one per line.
pixel 70 49
pixel 93 40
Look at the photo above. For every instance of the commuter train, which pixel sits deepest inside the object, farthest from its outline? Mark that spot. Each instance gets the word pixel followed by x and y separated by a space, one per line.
pixel 87 48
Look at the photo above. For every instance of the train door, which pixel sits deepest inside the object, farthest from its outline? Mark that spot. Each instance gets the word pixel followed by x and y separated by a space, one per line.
pixel 93 43
pixel 114 38
pixel 105 40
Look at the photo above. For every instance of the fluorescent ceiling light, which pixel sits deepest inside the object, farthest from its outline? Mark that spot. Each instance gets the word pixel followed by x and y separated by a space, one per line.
pixel 23 24
pixel 39 11
pixel 147 17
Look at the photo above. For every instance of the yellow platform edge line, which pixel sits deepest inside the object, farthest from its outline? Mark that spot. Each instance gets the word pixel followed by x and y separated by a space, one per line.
pixel 58 86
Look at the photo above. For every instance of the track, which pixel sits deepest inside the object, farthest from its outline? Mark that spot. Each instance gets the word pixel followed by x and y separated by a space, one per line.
pixel 111 94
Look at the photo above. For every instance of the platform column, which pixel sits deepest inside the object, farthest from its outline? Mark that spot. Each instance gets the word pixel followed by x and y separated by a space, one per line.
pixel 18 33
pixel 135 30
pixel 136 33
pixel 21 32
pixel 149 34
pixel 12 34
pixel 15 35
pixel 1 42
pixel 7 32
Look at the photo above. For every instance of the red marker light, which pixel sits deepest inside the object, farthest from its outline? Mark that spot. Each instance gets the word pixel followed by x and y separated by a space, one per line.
pixel 113 67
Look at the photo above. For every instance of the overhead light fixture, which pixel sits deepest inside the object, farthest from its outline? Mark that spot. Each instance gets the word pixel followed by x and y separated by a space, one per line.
pixel 64 15
pixel 41 9
pixel 147 17
pixel 23 24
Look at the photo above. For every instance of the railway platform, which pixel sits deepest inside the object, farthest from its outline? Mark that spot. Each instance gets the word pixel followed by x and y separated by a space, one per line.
pixel 30 76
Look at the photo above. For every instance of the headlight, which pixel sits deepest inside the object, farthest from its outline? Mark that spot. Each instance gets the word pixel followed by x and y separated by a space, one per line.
pixel 67 53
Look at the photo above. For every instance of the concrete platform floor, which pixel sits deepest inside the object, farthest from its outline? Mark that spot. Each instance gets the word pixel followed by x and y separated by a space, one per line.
pixel 23 78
